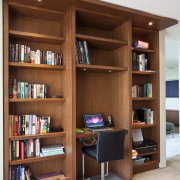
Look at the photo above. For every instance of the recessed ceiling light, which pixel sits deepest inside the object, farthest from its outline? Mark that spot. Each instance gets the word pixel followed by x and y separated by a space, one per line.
pixel 150 23
pixel 85 69
pixel 110 71
pixel 39 0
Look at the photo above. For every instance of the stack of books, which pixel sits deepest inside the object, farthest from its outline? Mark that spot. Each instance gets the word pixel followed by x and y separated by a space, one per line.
pixel 139 62
pixel 51 176
pixel 28 125
pixel 143 116
pixel 19 173
pixel 23 90
pixel 143 90
pixel 25 149
pixel 23 54
pixel 52 150
pixel 82 56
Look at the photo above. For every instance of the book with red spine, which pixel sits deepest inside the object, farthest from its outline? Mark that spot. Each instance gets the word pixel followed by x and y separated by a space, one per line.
pixel 15 125
pixel 22 150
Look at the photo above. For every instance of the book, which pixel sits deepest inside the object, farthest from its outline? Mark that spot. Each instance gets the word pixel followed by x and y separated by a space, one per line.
pixel 14 89
pixel 15 125
pixel 26 90
pixel 17 149
pixel 22 89
pixel 27 124
pixel 18 89
pixel 82 53
pixel 13 150
pixel 49 57
pixel 22 53
pixel 17 53
pixel 11 81
pixel 86 52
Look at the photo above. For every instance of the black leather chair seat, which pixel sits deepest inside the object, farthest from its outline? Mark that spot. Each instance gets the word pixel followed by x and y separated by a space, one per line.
pixel 91 151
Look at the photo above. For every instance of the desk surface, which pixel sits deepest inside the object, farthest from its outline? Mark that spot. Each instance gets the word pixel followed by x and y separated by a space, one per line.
pixel 88 133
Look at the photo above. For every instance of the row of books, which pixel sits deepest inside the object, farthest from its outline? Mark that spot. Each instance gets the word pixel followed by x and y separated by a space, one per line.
pixel 25 149
pixel 139 62
pixel 23 54
pixel 82 56
pixel 143 116
pixel 28 125
pixel 23 90
pixel 52 150
pixel 143 90
pixel 19 173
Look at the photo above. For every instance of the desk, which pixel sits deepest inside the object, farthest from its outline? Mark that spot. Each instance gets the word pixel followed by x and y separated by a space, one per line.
pixel 88 133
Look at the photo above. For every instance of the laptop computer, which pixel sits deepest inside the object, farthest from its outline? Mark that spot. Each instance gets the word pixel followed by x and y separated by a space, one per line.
pixel 95 122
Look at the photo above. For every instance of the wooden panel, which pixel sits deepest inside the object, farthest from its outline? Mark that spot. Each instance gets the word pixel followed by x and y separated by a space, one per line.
pixel 141 50
pixel 143 72
pixel 101 43
pixel 94 19
pixel 145 167
pixel 20 35
pixel 35 159
pixel 97 68
pixel 172 116
pixel 48 135
pixel 36 66
pixel 6 93
pixel 37 100
pixel 24 10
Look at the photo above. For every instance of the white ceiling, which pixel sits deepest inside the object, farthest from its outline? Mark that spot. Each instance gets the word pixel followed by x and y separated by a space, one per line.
pixel 166 8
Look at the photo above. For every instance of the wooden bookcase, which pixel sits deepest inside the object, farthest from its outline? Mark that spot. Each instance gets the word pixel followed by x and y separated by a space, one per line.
pixel 150 131
pixel 104 86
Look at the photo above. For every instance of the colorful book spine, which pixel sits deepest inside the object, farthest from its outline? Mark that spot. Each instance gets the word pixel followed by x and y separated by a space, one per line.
pixel 49 57
pixel 18 89
pixel 26 90
pixel 22 90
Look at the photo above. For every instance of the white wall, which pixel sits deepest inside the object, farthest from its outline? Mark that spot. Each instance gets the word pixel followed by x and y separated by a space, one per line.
pixel 162 99
pixel 172 103
pixel 1 90
pixel 172 73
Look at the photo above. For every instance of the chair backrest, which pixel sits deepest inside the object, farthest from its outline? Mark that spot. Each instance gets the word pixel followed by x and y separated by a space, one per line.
pixel 110 145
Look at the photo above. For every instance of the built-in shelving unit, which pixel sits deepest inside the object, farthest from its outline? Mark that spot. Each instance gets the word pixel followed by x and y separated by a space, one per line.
pixel 104 86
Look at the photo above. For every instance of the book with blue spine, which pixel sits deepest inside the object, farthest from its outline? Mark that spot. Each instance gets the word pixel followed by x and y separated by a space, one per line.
pixel 26 90
pixel 49 57
pixel 18 89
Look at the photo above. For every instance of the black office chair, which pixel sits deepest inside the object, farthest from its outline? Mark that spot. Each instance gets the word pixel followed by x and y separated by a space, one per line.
pixel 110 146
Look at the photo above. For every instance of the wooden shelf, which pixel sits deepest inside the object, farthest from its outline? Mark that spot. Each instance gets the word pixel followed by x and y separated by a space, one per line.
pixel 143 50
pixel 98 68
pixel 143 72
pixel 36 66
pixel 42 38
pixel 38 100
pixel 149 163
pixel 24 10
pixel 137 126
pixel 143 98
pixel 101 43
pixel 142 32
pixel 149 153
pixel 48 135
pixel 35 159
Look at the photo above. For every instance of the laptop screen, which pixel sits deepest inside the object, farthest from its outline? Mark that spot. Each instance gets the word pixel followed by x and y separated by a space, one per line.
pixel 93 120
